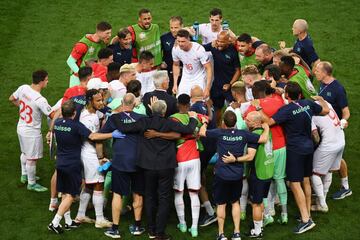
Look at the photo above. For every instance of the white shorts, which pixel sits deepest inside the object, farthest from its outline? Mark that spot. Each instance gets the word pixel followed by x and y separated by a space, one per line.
pixel 325 161
pixel 32 147
pixel 186 85
pixel 188 171
pixel 91 164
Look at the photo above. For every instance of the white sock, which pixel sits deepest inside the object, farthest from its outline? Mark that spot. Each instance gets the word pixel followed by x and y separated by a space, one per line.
pixel 31 171
pixel 257 227
pixel 244 195
pixel 209 209
pixel 67 218
pixel 327 179
pixel 345 182
pixel 195 208
pixel 23 164
pixel 56 220
pixel 318 189
pixel 179 206
pixel 84 201
pixel 53 201
pixel 98 201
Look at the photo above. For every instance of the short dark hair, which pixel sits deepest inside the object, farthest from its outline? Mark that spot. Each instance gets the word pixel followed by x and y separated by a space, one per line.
pixel 216 11
pixel 105 53
pixel 183 33
pixel 103 26
pixel 183 99
pixel 230 119
pixel 113 71
pixel 145 56
pixel 288 61
pixel 143 10
pixel 123 33
pixel 84 72
pixel 245 37
pixel 134 87
pixel 293 90
pixel 68 109
pixel 262 86
pixel 177 18
pixel 39 76
pixel 274 71
pixel 90 95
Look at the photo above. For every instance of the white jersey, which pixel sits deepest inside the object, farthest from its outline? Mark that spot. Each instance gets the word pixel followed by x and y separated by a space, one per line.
pixel 117 89
pixel 31 107
pixel 206 33
pixel 193 61
pixel 92 122
pixel 332 136
pixel 147 82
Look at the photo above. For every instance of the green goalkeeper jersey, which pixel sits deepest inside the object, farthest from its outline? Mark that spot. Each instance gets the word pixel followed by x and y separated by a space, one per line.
pixel 148 40
pixel 93 49
pixel 264 158
pixel 303 80
pixel 247 60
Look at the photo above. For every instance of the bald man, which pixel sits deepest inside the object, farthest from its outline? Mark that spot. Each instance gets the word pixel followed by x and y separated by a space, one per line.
pixel 304 45
pixel 226 71
pixel 264 55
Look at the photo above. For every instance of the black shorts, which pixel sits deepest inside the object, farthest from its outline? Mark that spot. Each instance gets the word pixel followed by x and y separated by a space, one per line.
pixel 124 183
pixel 259 189
pixel 68 180
pixel 226 191
pixel 298 166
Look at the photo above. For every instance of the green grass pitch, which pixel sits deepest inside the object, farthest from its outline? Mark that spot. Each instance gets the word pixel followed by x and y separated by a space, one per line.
pixel 41 34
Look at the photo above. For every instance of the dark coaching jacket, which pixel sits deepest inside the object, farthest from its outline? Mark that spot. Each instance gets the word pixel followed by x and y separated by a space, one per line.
pixel 156 153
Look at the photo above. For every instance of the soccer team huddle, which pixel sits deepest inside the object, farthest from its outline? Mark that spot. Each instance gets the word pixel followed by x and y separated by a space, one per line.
pixel 147 115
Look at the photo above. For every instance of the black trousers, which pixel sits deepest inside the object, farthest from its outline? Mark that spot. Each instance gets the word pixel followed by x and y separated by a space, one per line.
pixel 158 197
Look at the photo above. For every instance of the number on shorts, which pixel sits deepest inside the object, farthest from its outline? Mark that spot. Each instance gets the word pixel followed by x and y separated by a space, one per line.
pixel 25 112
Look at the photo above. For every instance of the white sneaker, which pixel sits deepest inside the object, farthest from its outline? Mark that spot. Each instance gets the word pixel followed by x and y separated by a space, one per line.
pixel 319 208
pixel 85 219
pixel 103 224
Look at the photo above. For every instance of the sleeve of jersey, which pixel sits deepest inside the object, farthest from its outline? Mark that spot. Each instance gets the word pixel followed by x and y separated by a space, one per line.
pixel 342 99
pixel 213 133
pixel 315 108
pixel 310 51
pixel 252 138
pixel 79 50
pixel 281 116
pixel 108 127
pixel 203 56
pixel 236 60
pixel 83 131
pixel 44 106
pixel 174 55
pixel 65 97
pixel 16 93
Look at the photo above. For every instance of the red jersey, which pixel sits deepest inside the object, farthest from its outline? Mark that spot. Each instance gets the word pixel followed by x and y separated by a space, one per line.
pixel 270 106
pixel 99 71
pixel 73 92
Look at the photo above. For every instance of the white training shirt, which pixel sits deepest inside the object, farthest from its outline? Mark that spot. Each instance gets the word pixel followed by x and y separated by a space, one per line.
pixel 206 33
pixel 193 61
pixel 147 82
pixel 117 89
pixel 92 122
pixel 32 106
pixel 332 136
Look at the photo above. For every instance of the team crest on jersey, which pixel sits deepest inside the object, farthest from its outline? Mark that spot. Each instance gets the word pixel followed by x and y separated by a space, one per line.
pixel 91 50
pixel 48 109
pixel 328 94
pixel 298 49
pixel 142 36
pixel 227 56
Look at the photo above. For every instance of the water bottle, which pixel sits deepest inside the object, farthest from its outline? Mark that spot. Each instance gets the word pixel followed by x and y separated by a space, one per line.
pixel 225 25
pixel 196 28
